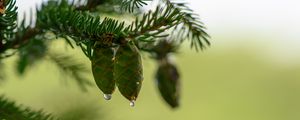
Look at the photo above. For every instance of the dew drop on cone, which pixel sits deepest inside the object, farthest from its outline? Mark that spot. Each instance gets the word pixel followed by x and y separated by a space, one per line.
pixel 107 96
pixel 132 103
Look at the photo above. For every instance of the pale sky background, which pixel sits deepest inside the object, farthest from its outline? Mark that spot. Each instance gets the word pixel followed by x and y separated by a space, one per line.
pixel 275 23
pixel 277 18
pixel 234 22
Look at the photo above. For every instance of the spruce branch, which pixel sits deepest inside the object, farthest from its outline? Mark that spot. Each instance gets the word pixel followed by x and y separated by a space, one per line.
pixel 130 5
pixel 84 28
pixel 191 27
pixel 7 23
pixel 21 37
pixel 8 18
pixel 10 111
pixel 127 5
pixel 31 44
pixel 15 35
pixel 153 24
pixel 90 4
pixel 63 19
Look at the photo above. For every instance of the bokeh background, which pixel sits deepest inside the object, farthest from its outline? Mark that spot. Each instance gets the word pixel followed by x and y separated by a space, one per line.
pixel 250 72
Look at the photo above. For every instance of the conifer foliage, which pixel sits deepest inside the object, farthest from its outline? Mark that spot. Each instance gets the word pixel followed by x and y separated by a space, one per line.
pixel 10 111
pixel 113 46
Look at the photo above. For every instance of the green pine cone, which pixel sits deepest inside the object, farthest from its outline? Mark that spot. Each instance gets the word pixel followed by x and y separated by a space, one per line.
pixel 128 71
pixel 167 78
pixel 102 67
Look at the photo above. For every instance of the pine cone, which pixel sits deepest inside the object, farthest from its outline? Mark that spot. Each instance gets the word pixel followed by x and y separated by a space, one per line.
pixel 102 67
pixel 167 78
pixel 128 71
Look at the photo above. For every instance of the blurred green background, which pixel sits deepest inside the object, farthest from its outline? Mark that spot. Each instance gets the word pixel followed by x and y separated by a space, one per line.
pixel 251 72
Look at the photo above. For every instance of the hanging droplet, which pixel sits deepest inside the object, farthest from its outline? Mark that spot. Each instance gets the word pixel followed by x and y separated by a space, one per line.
pixel 132 103
pixel 107 96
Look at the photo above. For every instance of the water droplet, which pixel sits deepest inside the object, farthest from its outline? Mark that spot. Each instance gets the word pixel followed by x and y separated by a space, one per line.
pixel 137 83
pixel 107 96
pixel 131 103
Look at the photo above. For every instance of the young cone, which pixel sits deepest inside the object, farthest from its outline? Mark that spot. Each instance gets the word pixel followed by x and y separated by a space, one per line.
pixel 167 78
pixel 128 70
pixel 102 67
